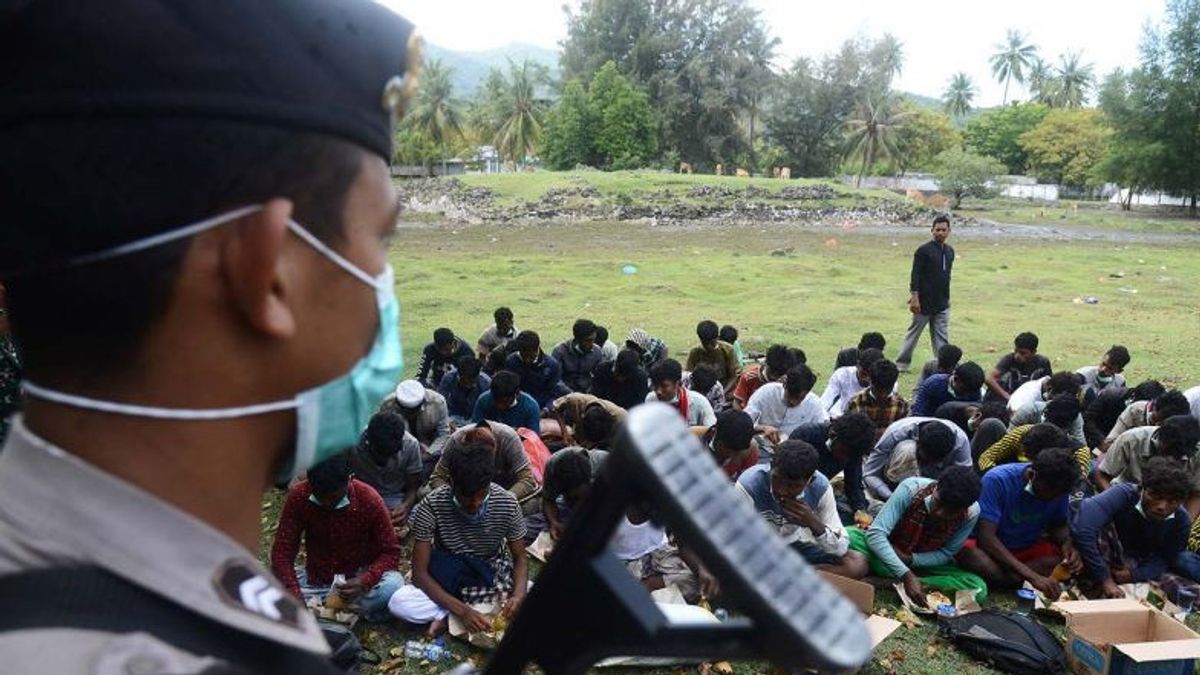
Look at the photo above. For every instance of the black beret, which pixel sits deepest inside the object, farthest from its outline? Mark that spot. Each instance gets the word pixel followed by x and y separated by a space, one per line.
pixel 337 67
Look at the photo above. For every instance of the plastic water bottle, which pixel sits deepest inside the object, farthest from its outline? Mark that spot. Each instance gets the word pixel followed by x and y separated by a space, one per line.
pixel 945 612
pixel 1186 600
pixel 436 651
pixel 1025 601
pixel 414 649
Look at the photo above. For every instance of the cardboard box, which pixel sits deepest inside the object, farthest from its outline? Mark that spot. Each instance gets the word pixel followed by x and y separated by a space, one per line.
pixel 863 597
pixel 1125 637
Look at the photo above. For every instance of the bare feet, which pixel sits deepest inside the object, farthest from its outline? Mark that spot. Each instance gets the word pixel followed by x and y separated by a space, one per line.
pixel 436 628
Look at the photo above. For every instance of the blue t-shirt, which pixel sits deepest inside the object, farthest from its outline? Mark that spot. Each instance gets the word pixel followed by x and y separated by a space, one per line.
pixel 1021 519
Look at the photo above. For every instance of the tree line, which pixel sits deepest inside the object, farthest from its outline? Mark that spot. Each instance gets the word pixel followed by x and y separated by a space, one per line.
pixel 656 84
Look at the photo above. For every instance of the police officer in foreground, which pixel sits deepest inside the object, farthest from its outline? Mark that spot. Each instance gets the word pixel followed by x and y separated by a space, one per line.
pixel 196 214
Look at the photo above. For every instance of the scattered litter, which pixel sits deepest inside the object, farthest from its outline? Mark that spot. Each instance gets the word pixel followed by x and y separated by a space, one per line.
pixel 1128 290
pixel 780 252
pixel 1087 300
pixel 831 242
pixel 1141 262
pixel 629 269
pixel 1117 275
pixel 895 243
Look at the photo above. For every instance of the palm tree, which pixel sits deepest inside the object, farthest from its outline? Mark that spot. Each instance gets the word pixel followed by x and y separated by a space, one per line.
pixel 871 132
pixel 1075 81
pixel 889 55
pixel 959 95
pixel 437 112
pixel 1010 62
pixel 1042 83
pixel 521 112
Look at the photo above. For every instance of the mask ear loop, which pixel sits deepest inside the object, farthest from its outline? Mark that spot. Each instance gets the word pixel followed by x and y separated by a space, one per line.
pixel 132 410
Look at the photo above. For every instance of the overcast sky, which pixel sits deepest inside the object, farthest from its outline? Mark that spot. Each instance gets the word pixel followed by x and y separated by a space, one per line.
pixel 940 37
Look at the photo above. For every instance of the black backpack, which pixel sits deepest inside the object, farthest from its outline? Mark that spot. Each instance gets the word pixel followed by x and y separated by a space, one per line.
pixel 1009 642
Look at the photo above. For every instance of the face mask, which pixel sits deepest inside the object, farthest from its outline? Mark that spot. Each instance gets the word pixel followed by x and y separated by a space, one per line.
pixel 473 518
pixel 1142 510
pixel 330 417
pixel 971 423
pixel 1103 379
pixel 1029 489
pixel 343 503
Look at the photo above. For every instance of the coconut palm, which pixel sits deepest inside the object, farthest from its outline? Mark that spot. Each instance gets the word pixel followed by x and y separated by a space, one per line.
pixel 888 54
pixel 871 132
pixel 1074 81
pixel 437 113
pixel 1012 59
pixel 1042 82
pixel 521 112
pixel 959 95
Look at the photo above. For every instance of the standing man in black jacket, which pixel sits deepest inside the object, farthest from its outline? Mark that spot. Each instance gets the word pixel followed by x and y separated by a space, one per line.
pixel 930 286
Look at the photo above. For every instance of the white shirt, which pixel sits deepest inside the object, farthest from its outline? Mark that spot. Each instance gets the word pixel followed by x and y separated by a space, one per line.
pixel 843 385
pixel 631 542
pixel 700 411
pixel 766 407
pixel 1025 394
pixel 1089 374
pixel 1193 397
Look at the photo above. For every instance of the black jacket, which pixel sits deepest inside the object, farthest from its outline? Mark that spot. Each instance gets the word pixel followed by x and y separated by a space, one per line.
pixel 931 276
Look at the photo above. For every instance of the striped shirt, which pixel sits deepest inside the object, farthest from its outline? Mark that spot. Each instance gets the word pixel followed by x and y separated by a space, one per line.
pixel 1010 448
pixel 437 519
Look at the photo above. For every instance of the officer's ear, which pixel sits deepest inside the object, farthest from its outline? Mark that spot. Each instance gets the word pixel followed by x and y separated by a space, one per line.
pixel 252 268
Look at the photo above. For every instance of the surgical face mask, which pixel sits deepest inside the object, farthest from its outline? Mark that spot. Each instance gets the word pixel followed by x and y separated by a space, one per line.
pixel 1029 488
pixel 1103 379
pixel 330 417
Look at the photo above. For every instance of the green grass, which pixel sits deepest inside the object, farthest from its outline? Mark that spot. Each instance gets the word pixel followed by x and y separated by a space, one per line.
pixel 1096 215
pixel 821 297
pixel 638 186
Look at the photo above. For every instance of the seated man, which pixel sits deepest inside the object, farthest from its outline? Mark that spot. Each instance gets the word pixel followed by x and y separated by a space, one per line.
pixel 425 412
pixel 914 446
pixel 731 442
pixel 947 360
pixel 1175 438
pixel 569 476
pixel 650 350
pixel 579 356
pixel 1101 414
pixel 920 530
pixel 880 402
pixel 665 378
pixel 498 334
pixel 1028 404
pixel 704 380
pixel 463 386
pixel 1017 445
pixel 962 385
pixel 984 423
pixel 1147 414
pixel 607 347
pixel 388 458
pixel 595 428
pixel 1108 374
pixel 541 375
pixel 511 465
pixel 1022 533
pixel 468 547
pixel 845 383
pixel 653 560
pixel 716 353
pixel 729 333
pixel 573 406
pixel 439 357
pixel 1015 369
pixel 346 530
pixel 505 402
pixel 843 443
pixel 621 381
pixel 780 407
pixel 775 365
pixel 798 501
pixel 1129 534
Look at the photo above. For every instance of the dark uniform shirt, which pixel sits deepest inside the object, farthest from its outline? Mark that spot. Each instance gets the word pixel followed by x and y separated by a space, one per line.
pixel 931 276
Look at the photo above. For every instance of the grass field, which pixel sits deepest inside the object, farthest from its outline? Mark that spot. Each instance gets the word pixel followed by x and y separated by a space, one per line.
pixel 820 291
pixel 1096 215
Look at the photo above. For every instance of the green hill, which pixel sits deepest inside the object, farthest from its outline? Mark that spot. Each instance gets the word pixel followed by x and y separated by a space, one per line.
pixel 471 67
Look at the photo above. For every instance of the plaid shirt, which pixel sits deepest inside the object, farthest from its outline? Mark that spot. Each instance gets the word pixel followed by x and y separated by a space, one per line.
pixel 882 412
